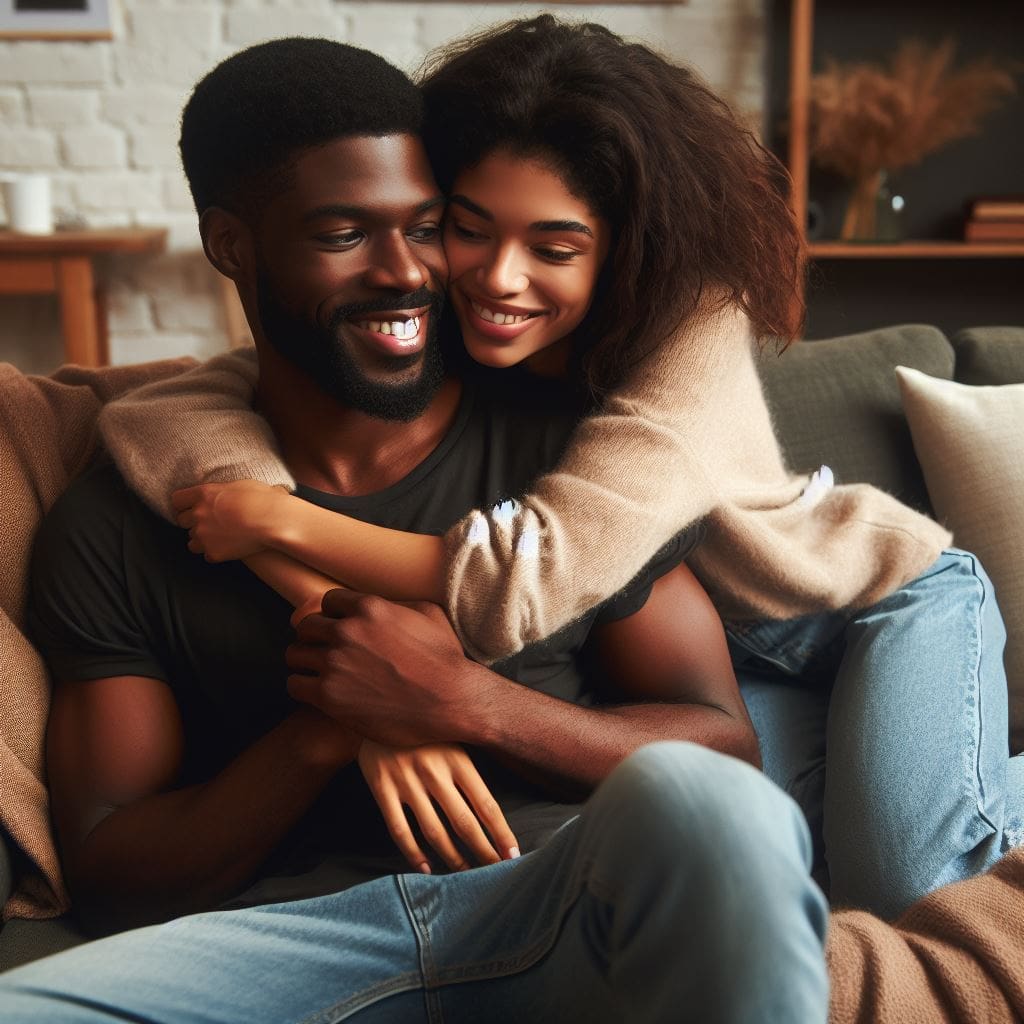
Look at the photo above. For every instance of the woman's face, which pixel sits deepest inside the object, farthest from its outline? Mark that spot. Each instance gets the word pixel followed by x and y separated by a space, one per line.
pixel 523 256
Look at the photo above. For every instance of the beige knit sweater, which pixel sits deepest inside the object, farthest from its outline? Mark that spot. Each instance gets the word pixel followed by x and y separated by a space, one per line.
pixel 688 436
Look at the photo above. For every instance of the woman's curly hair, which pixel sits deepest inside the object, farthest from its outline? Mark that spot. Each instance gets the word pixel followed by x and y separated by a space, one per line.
pixel 696 205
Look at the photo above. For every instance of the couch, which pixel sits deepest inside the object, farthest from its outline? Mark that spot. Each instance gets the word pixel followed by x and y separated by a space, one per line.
pixel 838 402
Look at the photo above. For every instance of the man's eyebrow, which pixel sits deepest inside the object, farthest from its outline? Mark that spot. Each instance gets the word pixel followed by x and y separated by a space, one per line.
pixel 361 212
pixel 539 225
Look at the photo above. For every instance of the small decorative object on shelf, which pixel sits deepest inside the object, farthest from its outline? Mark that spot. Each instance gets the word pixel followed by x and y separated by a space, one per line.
pixel 874 212
pixel 868 120
pixel 996 220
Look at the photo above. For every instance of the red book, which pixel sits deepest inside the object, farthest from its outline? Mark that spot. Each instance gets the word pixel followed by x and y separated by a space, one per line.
pixel 998 209
pixel 994 231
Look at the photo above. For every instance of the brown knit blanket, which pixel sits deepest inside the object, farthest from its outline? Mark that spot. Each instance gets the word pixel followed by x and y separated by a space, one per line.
pixel 47 434
pixel 956 956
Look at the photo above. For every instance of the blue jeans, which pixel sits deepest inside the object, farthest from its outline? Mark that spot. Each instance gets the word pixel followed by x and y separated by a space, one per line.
pixel 889 728
pixel 680 893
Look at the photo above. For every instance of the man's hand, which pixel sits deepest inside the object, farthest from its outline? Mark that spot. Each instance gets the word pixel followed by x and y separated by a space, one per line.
pixel 393 673
pixel 227 521
pixel 441 774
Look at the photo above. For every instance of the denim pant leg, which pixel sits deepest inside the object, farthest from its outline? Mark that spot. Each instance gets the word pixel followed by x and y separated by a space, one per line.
pixel 920 788
pixel 907 780
pixel 680 893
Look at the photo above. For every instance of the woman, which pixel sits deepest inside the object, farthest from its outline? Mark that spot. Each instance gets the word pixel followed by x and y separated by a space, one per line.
pixel 815 582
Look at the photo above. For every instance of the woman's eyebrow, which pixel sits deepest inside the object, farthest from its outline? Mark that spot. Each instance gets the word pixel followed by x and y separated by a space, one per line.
pixel 540 225
pixel 461 200
pixel 562 225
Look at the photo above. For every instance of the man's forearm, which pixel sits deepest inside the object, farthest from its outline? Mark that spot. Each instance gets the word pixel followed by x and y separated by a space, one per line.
pixel 574 747
pixel 189 849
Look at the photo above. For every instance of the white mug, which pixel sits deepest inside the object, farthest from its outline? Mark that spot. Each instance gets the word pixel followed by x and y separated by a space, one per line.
pixel 28 202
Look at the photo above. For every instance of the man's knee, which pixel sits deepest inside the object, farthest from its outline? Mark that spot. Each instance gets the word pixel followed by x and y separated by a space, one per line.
pixel 669 797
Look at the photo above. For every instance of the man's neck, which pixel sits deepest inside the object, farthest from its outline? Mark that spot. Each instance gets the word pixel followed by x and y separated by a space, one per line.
pixel 330 447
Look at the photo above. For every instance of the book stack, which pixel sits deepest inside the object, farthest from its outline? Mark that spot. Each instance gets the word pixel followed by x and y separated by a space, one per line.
pixel 995 220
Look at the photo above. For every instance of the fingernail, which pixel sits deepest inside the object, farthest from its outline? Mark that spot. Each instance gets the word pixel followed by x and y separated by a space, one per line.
pixel 513 852
pixel 425 868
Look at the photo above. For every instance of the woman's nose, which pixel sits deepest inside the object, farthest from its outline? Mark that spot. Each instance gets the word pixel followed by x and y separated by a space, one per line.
pixel 504 274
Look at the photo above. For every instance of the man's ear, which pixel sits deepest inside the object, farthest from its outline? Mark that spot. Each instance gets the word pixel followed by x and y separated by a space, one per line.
pixel 227 242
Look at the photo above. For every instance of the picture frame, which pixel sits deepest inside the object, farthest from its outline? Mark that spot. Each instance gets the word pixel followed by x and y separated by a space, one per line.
pixel 55 19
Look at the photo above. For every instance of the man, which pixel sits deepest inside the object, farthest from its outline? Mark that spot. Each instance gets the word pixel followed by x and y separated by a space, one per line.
pixel 180 770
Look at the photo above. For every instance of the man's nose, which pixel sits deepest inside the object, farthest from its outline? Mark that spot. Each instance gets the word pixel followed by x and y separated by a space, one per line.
pixel 396 266
pixel 503 273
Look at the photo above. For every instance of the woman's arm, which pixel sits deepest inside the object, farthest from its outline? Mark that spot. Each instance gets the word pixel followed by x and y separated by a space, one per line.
pixel 193 427
pixel 648 463
pixel 635 473
pixel 236 520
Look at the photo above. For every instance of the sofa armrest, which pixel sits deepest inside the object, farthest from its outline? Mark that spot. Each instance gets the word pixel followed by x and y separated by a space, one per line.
pixel 6 868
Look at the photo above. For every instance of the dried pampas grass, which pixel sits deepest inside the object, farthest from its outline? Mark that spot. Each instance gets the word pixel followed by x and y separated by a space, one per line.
pixel 865 117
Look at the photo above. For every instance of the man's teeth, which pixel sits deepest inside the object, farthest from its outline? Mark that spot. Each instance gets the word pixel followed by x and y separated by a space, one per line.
pixel 499 318
pixel 404 330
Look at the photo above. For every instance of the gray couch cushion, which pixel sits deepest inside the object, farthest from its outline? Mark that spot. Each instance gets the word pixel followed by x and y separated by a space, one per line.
pixel 989 355
pixel 837 402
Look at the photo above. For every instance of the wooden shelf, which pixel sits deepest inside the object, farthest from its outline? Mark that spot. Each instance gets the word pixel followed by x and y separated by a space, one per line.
pixel 801 56
pixel 88 241
pixel 914 250
pixel 61 263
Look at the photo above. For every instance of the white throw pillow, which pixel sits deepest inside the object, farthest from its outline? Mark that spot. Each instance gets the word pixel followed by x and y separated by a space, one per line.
pixel 970 443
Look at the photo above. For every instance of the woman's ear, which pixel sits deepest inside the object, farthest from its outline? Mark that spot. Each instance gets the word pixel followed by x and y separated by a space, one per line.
pixel 226 240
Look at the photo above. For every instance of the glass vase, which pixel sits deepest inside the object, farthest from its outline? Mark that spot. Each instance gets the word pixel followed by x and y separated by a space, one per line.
pixel 874 212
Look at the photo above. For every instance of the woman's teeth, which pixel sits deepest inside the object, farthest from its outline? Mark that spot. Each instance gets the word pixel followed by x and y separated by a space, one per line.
pixel 499 318
pixel 404 330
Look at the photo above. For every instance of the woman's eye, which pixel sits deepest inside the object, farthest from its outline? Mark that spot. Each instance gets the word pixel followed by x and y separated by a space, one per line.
pixel 468 234
pixel 557 255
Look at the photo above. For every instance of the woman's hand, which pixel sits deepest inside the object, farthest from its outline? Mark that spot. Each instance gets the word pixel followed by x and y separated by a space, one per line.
pixel 227 521
pixel 441 773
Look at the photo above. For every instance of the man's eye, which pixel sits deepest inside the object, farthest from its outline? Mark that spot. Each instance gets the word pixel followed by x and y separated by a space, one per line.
pixel 425 233
pixel 341 239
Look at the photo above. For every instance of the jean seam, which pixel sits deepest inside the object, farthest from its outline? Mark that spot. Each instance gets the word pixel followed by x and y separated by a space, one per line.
pixel 428 967
pixel 978 782
pixel 524 958
pixel 408 982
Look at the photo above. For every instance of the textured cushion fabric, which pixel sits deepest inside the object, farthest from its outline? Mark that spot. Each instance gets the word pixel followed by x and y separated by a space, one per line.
pixel 22 941
pixel 6 876
pixel 837 402
pixel 989 355
pixel 969 442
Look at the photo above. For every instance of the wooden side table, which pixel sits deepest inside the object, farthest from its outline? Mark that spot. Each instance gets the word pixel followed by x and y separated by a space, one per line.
pixel 61 263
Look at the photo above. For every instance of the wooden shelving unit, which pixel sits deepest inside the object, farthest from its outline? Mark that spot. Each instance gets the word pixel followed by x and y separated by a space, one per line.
pixel 914 250
pixel 801 56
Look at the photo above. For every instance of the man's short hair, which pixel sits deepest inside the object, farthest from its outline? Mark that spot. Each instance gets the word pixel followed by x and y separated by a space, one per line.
pixel 250 117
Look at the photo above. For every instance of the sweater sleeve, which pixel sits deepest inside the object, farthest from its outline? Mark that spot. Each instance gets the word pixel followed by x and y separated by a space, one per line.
pixel 199 427
pixel 633 476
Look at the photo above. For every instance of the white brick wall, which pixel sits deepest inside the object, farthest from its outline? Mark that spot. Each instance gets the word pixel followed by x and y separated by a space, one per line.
pixel 102 119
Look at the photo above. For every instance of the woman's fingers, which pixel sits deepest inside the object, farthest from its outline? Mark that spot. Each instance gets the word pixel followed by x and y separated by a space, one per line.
pixel 486 810
pixel 391 807
pixel 186 497
pixel 417 799
pixel 463 820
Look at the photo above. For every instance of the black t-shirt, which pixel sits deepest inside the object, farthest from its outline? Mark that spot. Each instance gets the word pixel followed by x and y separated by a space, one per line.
pixel 116 592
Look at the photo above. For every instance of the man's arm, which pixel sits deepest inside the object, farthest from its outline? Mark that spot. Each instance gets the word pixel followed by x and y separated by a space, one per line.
pixel 136 849
pixel 398 675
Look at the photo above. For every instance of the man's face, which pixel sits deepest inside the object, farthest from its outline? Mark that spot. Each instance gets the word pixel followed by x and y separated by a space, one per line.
pixel 351 273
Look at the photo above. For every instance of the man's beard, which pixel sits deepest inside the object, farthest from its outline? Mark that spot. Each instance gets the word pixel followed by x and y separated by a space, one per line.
pixel 322 354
